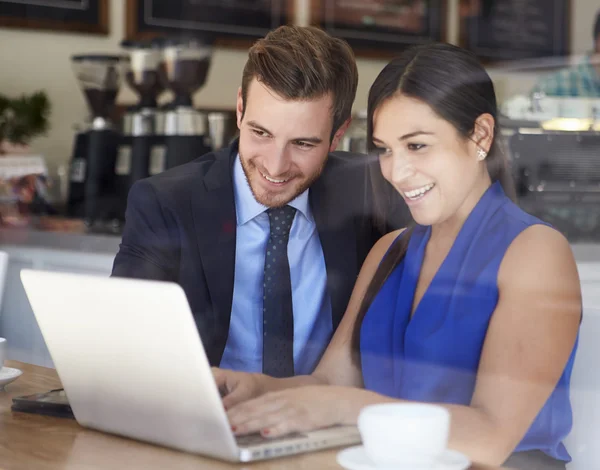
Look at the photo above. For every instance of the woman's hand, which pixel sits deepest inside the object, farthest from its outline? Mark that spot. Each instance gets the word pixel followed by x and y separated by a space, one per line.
pixel 279 413
pixel 299 410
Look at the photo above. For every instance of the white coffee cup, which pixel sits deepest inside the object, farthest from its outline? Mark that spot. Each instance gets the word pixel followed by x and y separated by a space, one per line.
pixel 2 352
pixel 404 434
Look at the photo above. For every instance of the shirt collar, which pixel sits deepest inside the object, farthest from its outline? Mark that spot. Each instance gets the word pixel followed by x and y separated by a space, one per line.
pixel 247 207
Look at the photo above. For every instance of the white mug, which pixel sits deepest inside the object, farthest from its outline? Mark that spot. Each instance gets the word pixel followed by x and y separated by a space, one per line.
pixel 2 352
pixel 410 434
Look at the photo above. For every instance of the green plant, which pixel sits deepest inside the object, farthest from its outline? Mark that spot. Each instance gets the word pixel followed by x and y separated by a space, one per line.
pixel 23 118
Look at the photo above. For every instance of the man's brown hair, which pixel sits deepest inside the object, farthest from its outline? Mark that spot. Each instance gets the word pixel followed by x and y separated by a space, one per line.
pixel 301 63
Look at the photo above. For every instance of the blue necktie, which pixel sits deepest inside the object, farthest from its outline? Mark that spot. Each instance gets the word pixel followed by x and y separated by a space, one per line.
pixel 278 315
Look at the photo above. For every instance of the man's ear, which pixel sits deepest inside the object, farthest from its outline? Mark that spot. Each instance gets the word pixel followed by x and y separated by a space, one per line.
pixel 239 108
pixel 339 134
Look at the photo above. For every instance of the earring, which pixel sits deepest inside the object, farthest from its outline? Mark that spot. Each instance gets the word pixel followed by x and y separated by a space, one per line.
pixel 481 154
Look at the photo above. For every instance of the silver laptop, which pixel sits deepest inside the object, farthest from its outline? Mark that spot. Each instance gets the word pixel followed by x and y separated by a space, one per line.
pixel 132 363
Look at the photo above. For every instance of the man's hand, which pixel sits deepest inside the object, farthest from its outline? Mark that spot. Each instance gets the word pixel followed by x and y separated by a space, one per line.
pixel 238 387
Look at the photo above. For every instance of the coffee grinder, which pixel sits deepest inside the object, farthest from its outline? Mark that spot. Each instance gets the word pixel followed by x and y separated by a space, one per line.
pixel 99 77
pixel 142 145
pixel 186 130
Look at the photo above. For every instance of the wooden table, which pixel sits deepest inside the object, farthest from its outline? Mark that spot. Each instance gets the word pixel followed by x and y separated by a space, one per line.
pixel 30 441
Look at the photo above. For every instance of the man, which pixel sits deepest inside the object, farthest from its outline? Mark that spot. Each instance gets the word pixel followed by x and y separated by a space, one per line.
pixel 582 80
pixel 221 226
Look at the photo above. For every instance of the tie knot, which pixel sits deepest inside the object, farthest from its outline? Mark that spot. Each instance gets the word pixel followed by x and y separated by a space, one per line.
pixel 281 219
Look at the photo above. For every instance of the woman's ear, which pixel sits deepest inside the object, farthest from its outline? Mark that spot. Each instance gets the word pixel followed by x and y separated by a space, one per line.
pixel 483 134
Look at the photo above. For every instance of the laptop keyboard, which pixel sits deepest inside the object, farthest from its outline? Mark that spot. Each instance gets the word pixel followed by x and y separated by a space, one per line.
pixel 257 439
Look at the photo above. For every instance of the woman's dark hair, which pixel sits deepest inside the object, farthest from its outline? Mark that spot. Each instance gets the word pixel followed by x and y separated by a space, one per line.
pixel 455 85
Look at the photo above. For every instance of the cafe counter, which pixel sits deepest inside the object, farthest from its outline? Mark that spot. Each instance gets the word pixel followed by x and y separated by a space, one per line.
pixel 63 251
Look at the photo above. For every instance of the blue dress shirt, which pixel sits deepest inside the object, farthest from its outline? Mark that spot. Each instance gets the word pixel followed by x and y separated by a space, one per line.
pixel 310 300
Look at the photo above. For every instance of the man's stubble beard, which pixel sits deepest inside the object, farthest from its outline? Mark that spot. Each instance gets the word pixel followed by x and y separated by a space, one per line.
pixel 272 201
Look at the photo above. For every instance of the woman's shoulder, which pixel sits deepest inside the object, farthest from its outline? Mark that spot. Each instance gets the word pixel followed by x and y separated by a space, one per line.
pixel 533 235
pixel 386 242
pixel 383 245
pixel 531 250
pixel 541 238
pixel 539 253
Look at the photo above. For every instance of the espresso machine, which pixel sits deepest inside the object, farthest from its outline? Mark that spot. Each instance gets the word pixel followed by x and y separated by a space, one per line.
pixel 142 146
pixel 557 176
pixel 92 188
pixel 187 62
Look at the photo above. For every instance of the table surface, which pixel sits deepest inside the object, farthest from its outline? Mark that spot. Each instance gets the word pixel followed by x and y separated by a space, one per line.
pixel 30 441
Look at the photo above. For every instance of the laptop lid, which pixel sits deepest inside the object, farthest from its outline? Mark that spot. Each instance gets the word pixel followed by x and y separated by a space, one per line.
pixel 130 359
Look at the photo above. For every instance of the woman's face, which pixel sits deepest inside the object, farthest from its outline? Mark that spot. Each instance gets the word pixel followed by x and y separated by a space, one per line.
pixel 435 169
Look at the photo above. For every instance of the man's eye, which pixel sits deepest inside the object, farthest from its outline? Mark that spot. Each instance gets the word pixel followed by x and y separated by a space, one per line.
pixel 380 151
pixel 260 133
pixel 304 145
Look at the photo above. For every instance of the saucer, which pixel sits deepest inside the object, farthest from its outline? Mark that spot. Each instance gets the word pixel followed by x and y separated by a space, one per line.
pixel 8 375
pixel 355 458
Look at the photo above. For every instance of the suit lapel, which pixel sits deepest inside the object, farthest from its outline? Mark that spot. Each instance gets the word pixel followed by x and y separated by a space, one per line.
pixel 337 234
pixel 214 213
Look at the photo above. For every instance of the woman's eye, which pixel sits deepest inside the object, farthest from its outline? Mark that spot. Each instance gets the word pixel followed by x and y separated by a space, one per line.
pixel 416 147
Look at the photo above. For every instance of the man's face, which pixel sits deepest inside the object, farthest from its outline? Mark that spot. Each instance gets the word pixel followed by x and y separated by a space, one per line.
pixel 283 143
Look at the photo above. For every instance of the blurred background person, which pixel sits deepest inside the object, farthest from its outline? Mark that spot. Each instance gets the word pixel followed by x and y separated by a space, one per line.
pixel 582 80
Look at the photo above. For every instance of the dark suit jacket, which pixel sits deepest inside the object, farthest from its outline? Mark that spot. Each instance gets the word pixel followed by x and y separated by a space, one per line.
pixel 181 227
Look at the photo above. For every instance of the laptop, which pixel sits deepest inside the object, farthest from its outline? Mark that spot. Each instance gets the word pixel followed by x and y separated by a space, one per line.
pixel 131 361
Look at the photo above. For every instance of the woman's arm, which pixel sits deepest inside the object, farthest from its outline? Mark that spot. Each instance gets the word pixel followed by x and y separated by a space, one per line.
pixel 529 341
pixel 336 366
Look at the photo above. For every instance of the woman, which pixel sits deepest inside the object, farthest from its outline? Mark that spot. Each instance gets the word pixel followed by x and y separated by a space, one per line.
pixel 476 308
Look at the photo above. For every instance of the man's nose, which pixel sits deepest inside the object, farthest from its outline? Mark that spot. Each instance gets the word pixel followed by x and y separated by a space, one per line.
pixel 277 162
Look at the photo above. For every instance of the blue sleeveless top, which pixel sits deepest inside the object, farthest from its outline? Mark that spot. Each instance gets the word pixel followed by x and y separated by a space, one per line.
pixel 434 356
